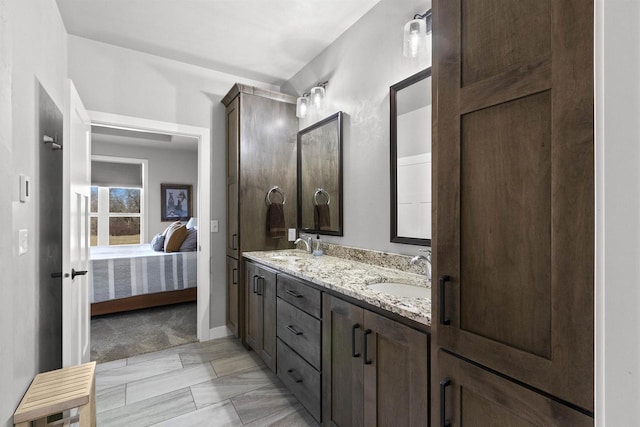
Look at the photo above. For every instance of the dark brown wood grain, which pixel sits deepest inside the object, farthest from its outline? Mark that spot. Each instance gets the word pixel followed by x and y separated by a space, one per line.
pixel 233 145
pixel 144 301
pixel 299 331
pixel 342 374
pixel 300 294
pixel 478 398
pixel 233 285
pixel 301 378
pixel 513 192
pixel 396 382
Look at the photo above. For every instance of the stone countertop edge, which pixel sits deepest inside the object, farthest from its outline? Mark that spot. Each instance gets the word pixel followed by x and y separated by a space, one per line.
pixel 350 278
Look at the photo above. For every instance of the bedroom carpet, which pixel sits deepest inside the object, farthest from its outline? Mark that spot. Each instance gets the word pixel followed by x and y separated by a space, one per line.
pixel 121 335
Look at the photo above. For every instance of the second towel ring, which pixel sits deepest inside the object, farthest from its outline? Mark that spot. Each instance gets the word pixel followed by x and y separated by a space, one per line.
pixel 276 189
pixel 321 191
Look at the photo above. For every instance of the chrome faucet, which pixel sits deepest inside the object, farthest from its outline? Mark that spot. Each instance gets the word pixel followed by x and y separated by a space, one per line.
pixel 427 259
pixel 307 243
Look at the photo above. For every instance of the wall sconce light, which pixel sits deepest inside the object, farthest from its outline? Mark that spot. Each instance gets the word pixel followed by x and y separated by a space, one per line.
pixel 313 99
pixel 417 35
pixel 302 106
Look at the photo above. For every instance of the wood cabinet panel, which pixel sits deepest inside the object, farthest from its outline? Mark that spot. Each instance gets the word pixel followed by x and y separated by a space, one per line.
pixel 300 295
pixel 476 397
pixel 396 373
pixel 300 377
pixel 342 367
pixel 233 285
pixel 299 331
pixel 513 190
pixel 260 288
pixel 233 159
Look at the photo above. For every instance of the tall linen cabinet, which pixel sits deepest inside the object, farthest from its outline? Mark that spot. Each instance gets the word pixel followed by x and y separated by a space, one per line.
pixel 514 217
pixel 261 129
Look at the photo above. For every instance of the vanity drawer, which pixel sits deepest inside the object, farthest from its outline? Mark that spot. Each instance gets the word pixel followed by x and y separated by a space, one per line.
pixel 300 331
pixel 300 378
pixel 300 295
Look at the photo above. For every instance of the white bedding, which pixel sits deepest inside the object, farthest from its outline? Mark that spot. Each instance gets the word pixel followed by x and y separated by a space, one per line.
pixel 128 270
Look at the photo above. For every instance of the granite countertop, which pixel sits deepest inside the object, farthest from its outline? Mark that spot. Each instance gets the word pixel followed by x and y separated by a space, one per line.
pixel 350 278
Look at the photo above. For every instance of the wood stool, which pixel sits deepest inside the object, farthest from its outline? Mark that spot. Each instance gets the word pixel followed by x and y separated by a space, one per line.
pixel 57 391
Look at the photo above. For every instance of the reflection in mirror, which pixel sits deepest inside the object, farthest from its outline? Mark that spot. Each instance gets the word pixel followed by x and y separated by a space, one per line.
pixel 411 159
pixel 320 177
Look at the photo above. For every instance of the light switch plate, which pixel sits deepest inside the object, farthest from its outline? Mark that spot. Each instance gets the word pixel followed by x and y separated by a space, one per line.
pixel 23 241
pixel 214 226
pixel 292 234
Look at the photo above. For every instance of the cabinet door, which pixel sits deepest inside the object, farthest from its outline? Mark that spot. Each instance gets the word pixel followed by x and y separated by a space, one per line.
pixel 514 189
pixel 396 373
pixel 233 277
pixel 473 397
pixel 254 309
pixel 267 293
pixel 342 368
pixel 233 145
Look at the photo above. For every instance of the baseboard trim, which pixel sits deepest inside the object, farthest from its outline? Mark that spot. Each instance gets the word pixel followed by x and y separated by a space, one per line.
pixel 219 332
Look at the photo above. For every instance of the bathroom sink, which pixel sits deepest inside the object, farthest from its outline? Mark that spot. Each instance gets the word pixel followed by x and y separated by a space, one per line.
pixel 285 257
pixel 401 289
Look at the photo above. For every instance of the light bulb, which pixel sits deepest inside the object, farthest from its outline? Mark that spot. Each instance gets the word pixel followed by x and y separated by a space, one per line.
pixel 317 96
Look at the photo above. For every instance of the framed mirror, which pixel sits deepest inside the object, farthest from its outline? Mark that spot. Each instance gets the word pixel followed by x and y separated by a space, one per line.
pixel 320 177
pixel 411 159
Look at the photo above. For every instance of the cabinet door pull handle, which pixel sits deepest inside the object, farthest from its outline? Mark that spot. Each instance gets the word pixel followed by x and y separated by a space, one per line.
pixel 446 382
pixel 234 242
pixel 294 330
pixel 367 361
pixel 260 285
pixel 234 275
pixel 255 283
pixel 353 340
pixel 444 320
pixel 293 293
pixel 291 373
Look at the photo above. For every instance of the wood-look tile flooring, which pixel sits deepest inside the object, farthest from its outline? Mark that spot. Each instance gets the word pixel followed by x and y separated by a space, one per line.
pixel 215 383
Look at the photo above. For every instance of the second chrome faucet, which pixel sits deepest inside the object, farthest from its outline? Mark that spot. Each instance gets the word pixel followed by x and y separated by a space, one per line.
pixel 427 259
pixel 307 243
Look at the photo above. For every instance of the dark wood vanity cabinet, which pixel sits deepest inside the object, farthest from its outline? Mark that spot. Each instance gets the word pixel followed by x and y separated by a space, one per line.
pixel 375 370
pixel 260 288
pixel 514 218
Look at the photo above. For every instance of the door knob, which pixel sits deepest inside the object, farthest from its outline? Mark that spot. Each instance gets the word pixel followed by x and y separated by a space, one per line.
pixel 75 273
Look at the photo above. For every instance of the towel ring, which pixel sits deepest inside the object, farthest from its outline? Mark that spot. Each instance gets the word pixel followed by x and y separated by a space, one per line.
pixel 276 189
pixel 321 191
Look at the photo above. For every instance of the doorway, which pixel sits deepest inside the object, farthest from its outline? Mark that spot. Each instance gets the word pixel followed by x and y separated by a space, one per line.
pixel 178 133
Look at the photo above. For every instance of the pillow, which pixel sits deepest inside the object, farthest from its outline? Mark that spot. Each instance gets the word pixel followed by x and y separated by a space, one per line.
pixel 157 243
pixel 174 238
pixel 170 227
pixel 190 243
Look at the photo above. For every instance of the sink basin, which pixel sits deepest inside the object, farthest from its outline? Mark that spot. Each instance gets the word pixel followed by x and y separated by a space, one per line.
pixel 401 289
pixel 285 257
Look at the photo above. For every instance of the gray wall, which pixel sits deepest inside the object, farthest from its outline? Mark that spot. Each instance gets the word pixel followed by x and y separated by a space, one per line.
pixel 165 166
pixel 122 81
pixel 360 67
pixel 33 48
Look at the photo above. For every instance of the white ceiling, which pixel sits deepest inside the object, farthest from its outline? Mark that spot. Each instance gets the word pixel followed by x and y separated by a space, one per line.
pixel 265 40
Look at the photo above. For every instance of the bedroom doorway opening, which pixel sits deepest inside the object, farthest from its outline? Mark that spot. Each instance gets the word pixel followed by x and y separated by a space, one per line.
pixel 150 185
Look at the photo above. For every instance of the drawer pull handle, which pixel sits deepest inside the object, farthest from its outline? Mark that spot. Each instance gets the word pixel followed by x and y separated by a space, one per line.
pixel 293 293
pixel 294 330
pixel 353 340
pixel 291 372
pixel 367 361
pixel 446 382
pixel 444 320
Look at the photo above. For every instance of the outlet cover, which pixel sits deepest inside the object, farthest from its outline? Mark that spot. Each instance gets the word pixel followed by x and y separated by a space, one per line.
pixel 23 241
pixel 292 234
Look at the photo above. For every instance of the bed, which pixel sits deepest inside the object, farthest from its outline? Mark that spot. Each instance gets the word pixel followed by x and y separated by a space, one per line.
pixel 130 277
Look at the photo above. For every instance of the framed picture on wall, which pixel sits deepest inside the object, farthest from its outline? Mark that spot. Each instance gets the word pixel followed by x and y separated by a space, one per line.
pixel 176 202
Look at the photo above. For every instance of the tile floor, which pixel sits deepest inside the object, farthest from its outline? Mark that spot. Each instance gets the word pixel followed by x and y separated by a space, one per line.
pixel 216 383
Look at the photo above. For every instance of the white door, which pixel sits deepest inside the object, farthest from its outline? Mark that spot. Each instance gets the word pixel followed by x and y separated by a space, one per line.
pixel 76 181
